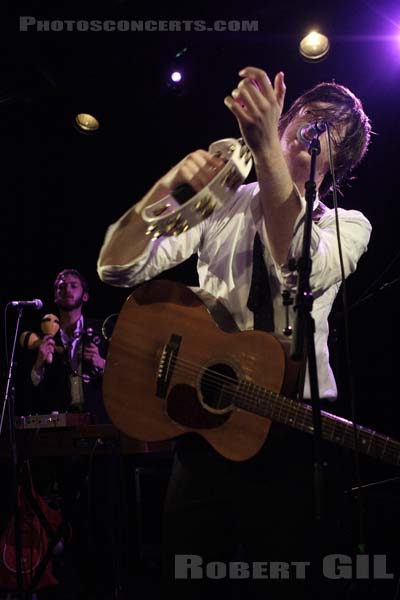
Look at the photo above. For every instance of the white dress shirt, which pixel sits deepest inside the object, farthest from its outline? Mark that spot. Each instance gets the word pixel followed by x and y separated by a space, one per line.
pixel 224 244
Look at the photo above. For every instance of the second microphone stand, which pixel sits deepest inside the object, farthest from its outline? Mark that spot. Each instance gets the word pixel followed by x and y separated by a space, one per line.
pixel 9 403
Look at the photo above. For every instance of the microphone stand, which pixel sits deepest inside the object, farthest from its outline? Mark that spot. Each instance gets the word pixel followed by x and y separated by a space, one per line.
pixel 9 399
pixel 303 343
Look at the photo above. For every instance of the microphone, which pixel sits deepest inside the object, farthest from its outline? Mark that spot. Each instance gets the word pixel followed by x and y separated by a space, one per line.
pixel 35 304
pixel 309 131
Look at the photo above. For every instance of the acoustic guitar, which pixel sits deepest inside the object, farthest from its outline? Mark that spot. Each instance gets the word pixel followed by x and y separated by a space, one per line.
pixel 177 363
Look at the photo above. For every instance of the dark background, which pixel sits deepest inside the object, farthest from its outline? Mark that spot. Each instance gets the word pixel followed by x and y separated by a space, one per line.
pixel 60 189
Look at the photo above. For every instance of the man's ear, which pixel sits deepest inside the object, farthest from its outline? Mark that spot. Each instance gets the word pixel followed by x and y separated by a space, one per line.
pixel 85 297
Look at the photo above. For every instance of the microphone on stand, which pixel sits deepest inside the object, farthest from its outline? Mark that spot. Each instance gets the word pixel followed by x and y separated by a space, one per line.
pixel 35 304
pixel 307 132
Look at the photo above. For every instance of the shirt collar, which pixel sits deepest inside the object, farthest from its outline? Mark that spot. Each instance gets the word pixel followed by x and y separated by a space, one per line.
pixel 65 338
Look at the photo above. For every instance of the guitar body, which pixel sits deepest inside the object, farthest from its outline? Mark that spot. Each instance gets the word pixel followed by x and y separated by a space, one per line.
pixel 171 369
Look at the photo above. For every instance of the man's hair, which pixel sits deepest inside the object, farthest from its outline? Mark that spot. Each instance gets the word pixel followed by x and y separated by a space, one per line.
pixel 348 111
pixel 65 272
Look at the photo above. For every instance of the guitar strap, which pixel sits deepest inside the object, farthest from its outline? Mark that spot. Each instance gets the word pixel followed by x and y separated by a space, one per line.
pixel 260 303
pixel 260 299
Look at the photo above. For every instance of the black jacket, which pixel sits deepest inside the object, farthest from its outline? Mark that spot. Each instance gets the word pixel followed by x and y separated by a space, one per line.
pixel 53 393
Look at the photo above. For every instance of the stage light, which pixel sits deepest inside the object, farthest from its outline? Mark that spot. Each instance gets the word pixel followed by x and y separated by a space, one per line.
pixel 176 76
pixel 86 123
pixel 314 46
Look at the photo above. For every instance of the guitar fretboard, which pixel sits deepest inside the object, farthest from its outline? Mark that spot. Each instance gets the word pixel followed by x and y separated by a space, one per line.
pixel 299 416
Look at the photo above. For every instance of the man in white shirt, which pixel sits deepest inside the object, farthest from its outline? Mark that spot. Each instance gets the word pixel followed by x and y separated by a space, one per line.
pixel 213 505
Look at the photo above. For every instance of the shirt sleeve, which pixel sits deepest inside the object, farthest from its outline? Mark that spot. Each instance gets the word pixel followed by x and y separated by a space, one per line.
pixel 161 254
pixel 355 232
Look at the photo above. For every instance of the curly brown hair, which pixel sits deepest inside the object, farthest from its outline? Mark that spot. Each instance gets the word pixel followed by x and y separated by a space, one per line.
pixel 346 110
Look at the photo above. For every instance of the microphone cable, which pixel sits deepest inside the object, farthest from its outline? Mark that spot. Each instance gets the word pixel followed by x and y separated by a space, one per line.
pixel 350 379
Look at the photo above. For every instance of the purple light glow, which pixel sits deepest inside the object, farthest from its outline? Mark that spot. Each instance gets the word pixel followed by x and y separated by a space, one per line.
pixel 176 77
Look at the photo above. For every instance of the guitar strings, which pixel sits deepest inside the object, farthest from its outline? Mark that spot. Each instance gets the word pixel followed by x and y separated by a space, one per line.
pixel 288 407
pixel 248 396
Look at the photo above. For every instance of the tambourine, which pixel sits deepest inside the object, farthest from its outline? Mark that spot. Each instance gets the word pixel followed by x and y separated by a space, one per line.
pixel 172 215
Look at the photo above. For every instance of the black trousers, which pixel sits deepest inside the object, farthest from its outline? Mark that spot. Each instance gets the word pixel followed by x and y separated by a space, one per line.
pixel 236 529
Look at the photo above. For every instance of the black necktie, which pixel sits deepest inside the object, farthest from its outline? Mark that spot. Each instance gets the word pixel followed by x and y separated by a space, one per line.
pixel 260 300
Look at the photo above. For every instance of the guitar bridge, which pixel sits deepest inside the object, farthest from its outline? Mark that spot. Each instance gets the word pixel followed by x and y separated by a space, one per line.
pixel 167 364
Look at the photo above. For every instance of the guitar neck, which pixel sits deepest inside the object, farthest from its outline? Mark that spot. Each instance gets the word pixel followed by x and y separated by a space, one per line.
pixel 299 416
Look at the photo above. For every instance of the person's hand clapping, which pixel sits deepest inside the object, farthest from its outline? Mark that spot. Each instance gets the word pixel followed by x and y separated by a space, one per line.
pixel 257 106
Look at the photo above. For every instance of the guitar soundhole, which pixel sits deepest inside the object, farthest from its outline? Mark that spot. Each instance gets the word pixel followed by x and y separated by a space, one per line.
pixel 217 387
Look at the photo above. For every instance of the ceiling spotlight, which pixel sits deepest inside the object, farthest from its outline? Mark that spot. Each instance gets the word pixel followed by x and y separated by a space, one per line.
pixel 176 76
pixel 86 123
pixel 314 46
